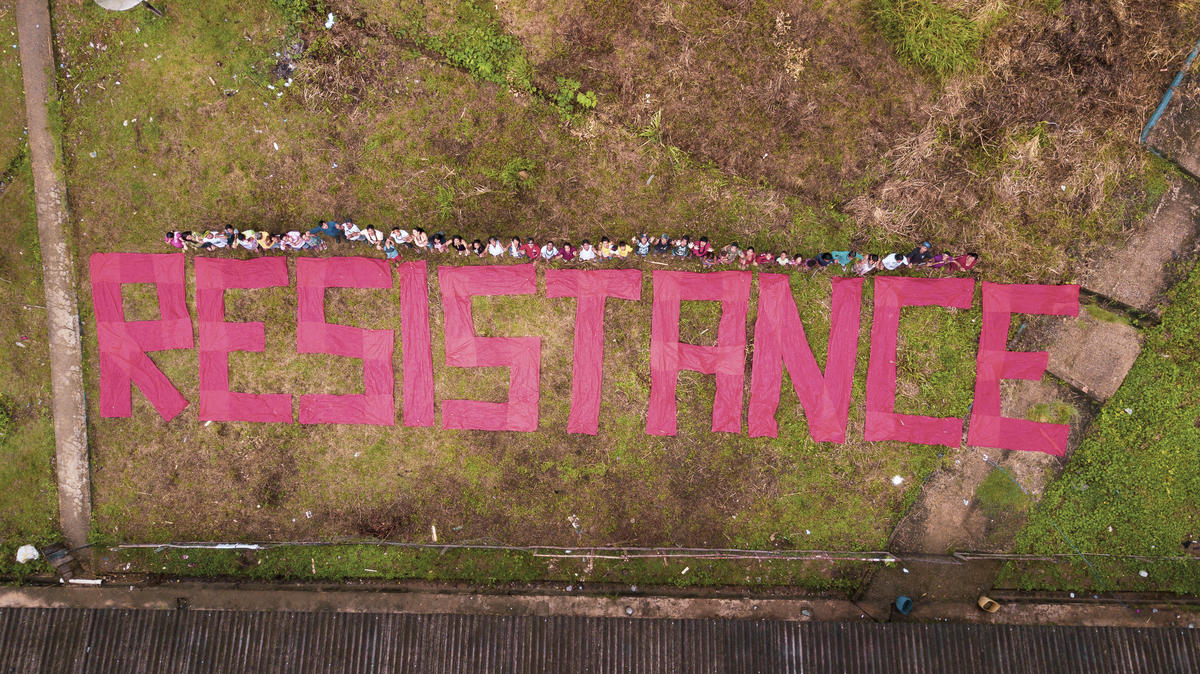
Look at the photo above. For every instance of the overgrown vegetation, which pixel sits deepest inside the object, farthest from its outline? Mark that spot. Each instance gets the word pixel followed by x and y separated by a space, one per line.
pixel 1132 487
pixel 930 36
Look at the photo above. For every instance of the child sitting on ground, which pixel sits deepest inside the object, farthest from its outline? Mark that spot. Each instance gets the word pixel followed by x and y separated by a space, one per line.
pixel 495 248
pixel 622 250
pixel 586 252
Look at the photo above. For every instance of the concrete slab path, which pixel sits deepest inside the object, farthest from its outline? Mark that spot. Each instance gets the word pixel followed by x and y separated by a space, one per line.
pixel 58 269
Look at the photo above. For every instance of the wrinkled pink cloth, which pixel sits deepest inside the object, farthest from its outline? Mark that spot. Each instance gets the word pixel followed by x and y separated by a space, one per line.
pixel 727 360
pixel 987 427
pixel 522 355
pixel 591 288
pixel 891 294
pixel 779 342
pixel 123 344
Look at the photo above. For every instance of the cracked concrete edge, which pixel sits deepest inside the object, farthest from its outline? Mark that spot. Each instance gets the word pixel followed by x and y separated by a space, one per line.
pixel 62 311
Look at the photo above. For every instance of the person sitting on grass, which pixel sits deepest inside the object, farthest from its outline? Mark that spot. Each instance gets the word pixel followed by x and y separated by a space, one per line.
pixel 866 265
pixel 351 232
pixel 606 249
pixel 765 257
pixel 894 261
pixel 964 262
pixel 399 238
pixel 291 241
pixel 622 250
pixel 514 248
pixel 709 259
pixel 568 253
pixel 824 260
pixel 420 240
pixel 530 250
pixel 680 248
pixel 662 246
pixel 783 260
pixel 495 248
pixel 641 245
pixel 478 249
pixel 230 236
pixel 748 258
pixel 438 243
pixel 586 252
pixel 373 237
pixel 730 254
pixel 310 242
pixel 175 240
pixel 390 250
pixel 328 228
pixel 700 247
pixel 458 246
pixel 920 255
pixel 549 251
pixel 248 239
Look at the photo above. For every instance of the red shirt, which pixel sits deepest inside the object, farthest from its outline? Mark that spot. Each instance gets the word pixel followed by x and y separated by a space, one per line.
pixel 567 255
pixel 700 248
pixel 765 258
pixel 531 251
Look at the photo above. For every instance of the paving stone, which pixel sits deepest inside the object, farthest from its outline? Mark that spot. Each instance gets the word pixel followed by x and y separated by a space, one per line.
pixel 1138 273
pixel 1176 136
pixel 1094 351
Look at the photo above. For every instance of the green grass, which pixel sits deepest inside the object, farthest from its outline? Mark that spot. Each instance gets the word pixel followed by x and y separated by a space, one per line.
pixel 29 509
pixel 934 38
pixel 1132 487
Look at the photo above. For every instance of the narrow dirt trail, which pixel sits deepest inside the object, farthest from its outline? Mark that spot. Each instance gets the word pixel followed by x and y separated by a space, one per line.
pixel 58 270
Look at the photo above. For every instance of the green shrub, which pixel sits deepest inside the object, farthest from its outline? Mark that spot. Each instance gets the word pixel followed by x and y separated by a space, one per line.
pixel 938 40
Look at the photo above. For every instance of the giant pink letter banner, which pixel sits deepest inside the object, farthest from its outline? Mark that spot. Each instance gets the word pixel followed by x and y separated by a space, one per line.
pixel 727 360
pixel 219 337
pixel 987 427
pixel 779 341
pixel 592 288
pixel 417 344
pixel 892 293
pixel 123 344
pixel 522 355
pixel 376 405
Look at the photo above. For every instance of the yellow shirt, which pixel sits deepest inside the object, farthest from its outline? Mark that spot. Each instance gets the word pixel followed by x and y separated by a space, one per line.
pixel 623 251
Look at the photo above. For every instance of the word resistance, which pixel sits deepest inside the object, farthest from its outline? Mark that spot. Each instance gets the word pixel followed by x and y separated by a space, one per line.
pixel 779 343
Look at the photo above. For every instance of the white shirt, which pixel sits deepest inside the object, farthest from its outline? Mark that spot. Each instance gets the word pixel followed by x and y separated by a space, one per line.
pixel 495 249
pixel 351 231
pixel 892 261
pixel 399 236
pixel 372 236
pixel 588 253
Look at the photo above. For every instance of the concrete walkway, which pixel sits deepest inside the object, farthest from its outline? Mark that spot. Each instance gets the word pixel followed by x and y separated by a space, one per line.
pixel 58 270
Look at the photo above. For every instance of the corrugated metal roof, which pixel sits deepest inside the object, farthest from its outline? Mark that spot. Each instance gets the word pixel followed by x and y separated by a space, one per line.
pixel 131 641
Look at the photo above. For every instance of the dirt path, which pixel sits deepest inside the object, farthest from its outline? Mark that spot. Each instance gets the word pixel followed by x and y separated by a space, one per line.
pixel 62 311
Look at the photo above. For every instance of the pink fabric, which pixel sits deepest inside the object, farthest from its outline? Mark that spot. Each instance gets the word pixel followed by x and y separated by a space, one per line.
pixel 417 344
pixel 219 337
pixel 891 294
pixel 592 288
pixel 123 344
pixel 522 355
pixel 376 405
pixel 779 341
pixel 727 360
pixel 987 427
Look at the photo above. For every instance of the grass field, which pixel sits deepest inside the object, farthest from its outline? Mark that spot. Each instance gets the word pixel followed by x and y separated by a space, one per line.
pixel 804 126
pixel 29 510
pixel 1132 486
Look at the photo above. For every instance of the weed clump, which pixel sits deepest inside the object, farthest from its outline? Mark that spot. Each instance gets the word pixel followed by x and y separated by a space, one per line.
pixel 934 38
